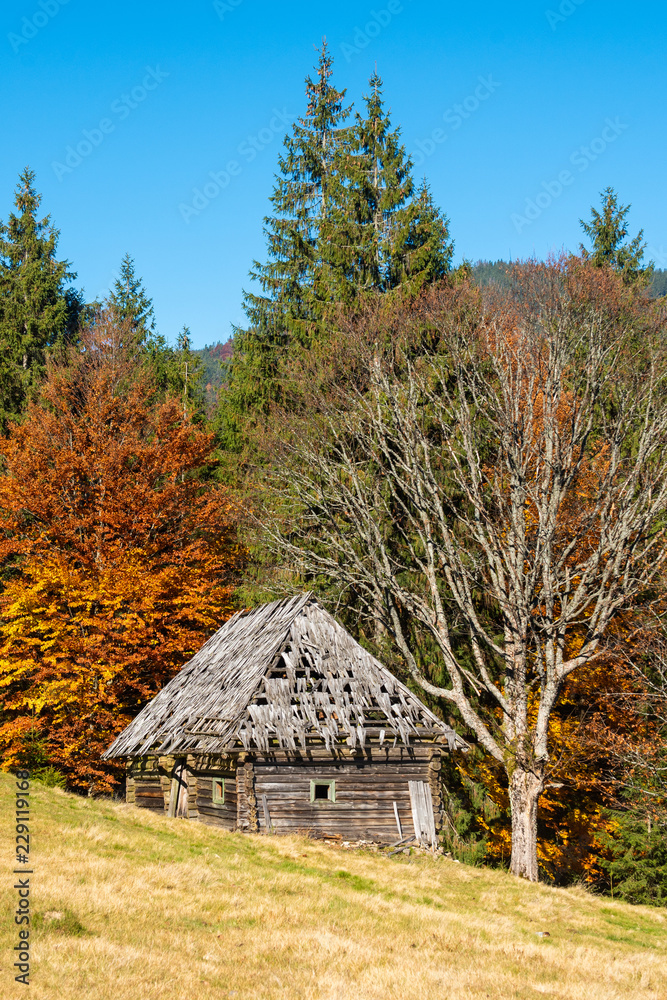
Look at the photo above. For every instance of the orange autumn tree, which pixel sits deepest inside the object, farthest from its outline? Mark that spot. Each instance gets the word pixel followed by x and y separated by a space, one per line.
pixel 119 557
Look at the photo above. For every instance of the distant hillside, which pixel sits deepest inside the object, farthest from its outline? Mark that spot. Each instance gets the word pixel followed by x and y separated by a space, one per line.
pixel 214 358
pixel 659 283
pixel 491 272
pixel 487 272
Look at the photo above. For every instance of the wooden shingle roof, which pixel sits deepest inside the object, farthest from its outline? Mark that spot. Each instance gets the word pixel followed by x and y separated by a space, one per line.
pixel 281 676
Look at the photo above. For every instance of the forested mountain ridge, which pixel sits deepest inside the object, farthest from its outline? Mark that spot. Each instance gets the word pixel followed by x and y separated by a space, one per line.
pixel 486 272
pixel 213 359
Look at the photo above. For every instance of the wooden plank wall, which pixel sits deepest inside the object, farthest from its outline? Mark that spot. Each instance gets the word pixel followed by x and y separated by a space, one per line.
pixel 148 783
pixel 130 785
pixel 435 781
pixel 367 785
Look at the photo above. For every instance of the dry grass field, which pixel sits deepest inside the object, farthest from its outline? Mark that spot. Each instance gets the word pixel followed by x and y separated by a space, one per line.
pixel 131 906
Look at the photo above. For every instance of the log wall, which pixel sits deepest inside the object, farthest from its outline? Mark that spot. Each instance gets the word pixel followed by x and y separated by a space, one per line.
pixel 277 787
pixel 149 779
pixel 146 784
pixel 367 785
pixel 204 771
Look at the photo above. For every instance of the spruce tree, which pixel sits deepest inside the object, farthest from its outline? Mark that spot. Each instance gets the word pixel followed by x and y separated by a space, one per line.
pixel 37 309
pixel 385 235
pixel 373 186
pixel 130 304
pixel 607 231
pixel 421 248
pixel 188 377
pixel 296 282
pixel 347 223
pixel 251 385
pixel 176 372
pixel 636 852
pixel 293 278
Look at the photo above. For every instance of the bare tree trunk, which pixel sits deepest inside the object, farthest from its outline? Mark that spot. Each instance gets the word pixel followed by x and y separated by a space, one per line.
pixel 524 790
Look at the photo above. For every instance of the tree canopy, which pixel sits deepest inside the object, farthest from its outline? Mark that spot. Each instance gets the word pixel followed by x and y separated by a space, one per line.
pixel 469 461
pixel 491 488
pixel 347 223
pixel 130 305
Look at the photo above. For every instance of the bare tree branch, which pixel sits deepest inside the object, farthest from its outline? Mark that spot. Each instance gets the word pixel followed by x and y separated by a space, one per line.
pixel 512 479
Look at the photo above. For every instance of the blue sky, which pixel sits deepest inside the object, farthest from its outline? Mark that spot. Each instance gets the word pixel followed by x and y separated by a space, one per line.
pixel 556 100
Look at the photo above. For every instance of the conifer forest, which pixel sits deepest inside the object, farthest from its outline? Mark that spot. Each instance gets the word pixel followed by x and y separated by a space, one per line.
pixel 466 462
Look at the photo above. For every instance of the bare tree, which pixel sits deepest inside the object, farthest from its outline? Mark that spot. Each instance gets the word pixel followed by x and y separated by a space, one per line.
pixel 500 493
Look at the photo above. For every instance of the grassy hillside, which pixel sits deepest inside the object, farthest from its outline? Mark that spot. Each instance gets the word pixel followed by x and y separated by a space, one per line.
pixel 132 906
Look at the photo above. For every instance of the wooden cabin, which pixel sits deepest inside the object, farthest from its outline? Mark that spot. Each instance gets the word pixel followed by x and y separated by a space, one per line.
pixel 283 723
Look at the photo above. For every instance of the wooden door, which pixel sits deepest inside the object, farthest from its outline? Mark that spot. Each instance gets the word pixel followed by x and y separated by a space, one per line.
pixel 422 813
pixel 178 795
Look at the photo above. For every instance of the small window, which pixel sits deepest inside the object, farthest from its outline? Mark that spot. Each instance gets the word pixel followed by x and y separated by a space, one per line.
pixel 218 791
pixel 323 791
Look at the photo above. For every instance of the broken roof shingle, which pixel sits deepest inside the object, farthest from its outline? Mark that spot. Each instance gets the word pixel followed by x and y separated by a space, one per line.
pixel 279 676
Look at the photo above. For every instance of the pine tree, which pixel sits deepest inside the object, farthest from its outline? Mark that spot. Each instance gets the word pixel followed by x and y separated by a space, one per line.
pixel 296 281
pixel 176 373
pixel 129 303
pixel 637 848
pixel 251 386
pixel 188 380
pixel 395 237
pixel 382 233
pixel 347 224
pixel 37 309
pixel 607 231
